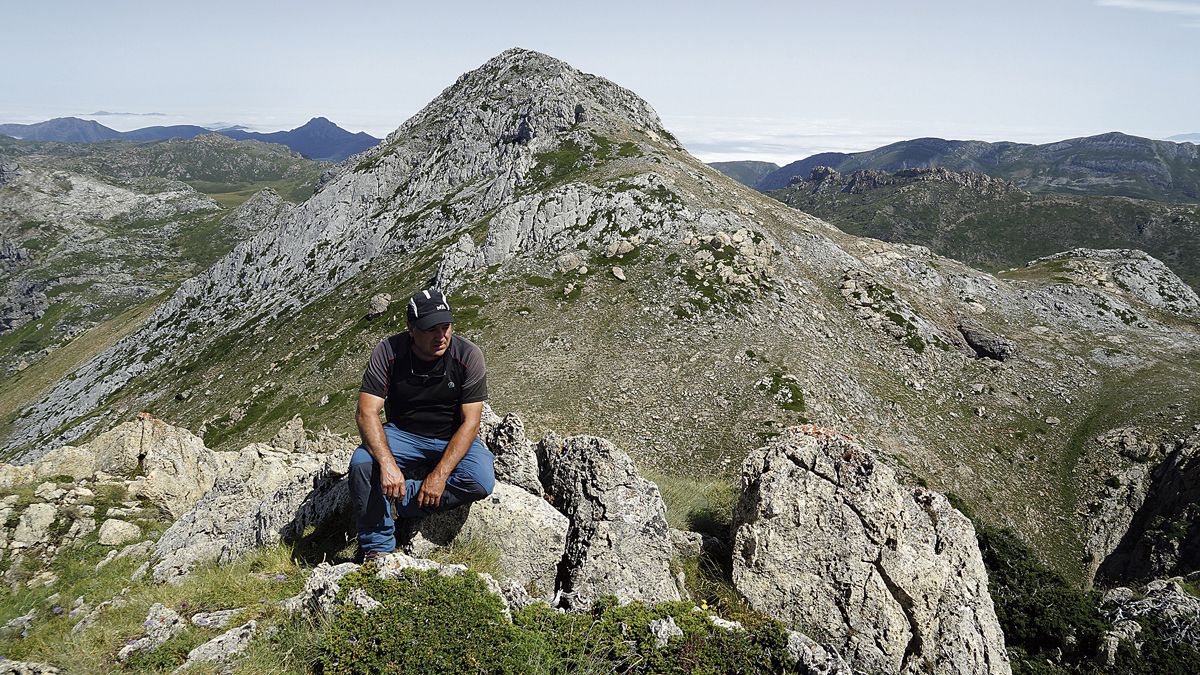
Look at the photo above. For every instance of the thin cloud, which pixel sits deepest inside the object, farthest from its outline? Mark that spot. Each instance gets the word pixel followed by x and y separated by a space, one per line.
pixel 1157 6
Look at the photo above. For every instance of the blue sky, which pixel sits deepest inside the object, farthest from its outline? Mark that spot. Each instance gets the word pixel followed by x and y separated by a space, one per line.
pixel 750 80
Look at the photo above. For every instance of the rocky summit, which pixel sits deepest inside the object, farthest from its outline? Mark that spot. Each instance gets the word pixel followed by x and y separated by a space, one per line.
pixel 649 316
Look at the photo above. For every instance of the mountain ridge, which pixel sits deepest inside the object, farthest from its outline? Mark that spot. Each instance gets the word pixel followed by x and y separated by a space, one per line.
pixel 318 139
pixel 1112 163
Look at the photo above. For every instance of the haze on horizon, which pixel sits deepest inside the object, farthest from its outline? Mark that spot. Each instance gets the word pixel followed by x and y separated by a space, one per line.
pixel 774 81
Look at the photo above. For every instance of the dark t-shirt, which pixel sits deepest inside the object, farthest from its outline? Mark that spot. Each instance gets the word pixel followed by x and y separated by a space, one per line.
pixel 425 398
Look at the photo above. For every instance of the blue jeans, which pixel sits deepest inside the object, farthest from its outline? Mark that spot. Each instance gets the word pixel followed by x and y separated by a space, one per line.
pixel 472 480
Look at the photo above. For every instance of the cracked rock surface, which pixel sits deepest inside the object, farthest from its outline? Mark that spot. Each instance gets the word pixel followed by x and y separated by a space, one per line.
pixel 829 542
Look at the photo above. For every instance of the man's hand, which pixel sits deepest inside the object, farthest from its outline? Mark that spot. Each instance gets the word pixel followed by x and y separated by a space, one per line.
pixel 391 478
pixel 431 491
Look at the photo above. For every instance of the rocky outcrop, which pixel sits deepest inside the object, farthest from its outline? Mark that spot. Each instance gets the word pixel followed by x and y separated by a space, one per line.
pixel 516 459
pixel 1130 272
pixel 618 542
pixel 1163 516
pixel 1171 608
pixel 173 467
pixel 266 494
pixel 986 344
pixel 528 535
pixel 828 540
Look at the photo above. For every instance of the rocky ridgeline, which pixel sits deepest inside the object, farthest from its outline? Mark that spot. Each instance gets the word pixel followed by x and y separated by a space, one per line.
pixel 826 179
pixel 1130 273
pixel 570 520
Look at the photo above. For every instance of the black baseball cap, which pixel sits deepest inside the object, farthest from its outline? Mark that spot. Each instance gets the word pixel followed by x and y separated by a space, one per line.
pixel 428 308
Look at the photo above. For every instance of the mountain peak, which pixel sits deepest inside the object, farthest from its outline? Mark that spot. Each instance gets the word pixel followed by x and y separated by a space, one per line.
pixel 547 94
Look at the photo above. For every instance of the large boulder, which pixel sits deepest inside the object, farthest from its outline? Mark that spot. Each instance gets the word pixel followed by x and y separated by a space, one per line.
pixel 527 533
pixel 618 541
pixel 173 466
pixel 829 542
pixel 265 495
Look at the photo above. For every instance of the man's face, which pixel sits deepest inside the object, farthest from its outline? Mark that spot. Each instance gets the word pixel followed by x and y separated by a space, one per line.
pixel 431 344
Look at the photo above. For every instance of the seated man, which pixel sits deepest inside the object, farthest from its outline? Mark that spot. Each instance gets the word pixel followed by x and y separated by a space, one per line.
pixel 428 456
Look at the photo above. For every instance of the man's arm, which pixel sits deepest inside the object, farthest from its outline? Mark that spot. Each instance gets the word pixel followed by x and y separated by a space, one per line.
pixel 375 440
pixel 435 483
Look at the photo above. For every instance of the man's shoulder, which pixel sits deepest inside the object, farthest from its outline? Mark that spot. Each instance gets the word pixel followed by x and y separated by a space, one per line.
pixel 462 349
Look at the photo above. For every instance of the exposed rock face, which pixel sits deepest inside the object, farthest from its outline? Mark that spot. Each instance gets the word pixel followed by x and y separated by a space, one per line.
pixel 265 494
pixel 986 344
pixel 529 534
pixel 265 207
pixel 516 459
pixel 1134 273
pixel 378 305
pixel 221 648
pixel 161 624
pixel 828 540
pixel 618 541
pixel 1163 535
pixel 115 532
pixel 174 467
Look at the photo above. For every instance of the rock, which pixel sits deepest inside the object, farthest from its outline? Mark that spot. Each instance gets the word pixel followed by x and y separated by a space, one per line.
pixel 115 532
pixel 1053 421
pixel 268 495
pixel 516 459
pixel 217 619
pixel 815 658
pixel 1176 612
pixel 18 627
pixel 985 344
pixel 364 602
pixel 221 648
pixel 1122 630
pixel 618 273
pixel 528 534
pixel 320 590
pixel 568 262
pixel 378 305
pixel 1162 538
pixel 618 541
pixel 27 668
pixel 828 539
pixel 663 630
pixel 161 624
pixel 174 468
pixel 34 526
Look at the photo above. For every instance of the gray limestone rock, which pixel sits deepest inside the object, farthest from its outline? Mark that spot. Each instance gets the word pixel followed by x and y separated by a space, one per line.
pixel 378 305
pixel 265 495
pixel 114 532
pixel 618 541
pixel 528 534
pixel 986 344
pixel 815 658
pixel 173 467
pixel 828 539
pixel 516 459
pixel 27 668
pixel 320 590
pixel 161 624
pixel 1177 611
pixel 34 525
pixel 217 619
pixel 663 630
pixel 222 648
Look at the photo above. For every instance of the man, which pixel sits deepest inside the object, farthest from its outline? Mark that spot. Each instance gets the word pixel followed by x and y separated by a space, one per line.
pixel 428 457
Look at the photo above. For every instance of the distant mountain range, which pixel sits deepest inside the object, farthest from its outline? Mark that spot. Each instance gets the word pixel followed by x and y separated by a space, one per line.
pixel 991 223
pixel 1185 138
pixel 1110 164
pixel 746 172
pixel 318 139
